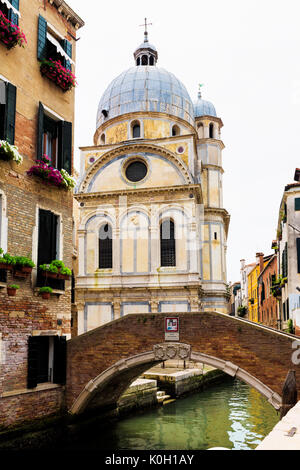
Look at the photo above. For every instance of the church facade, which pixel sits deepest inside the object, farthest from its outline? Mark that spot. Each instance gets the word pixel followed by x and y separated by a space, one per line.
pixel 152 229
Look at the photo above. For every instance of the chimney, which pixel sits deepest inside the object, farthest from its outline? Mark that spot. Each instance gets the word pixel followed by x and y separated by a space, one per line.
pixel 260 261
pixel 243 262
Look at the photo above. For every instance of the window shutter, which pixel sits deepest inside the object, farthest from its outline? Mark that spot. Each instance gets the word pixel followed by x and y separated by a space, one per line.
pixel 10 113
pixel 167 243
pixel 32 373
pixel 298 254
pixel 297 204
pixel 60 360
pixel 42 38
pixel 39 150
pixel 67 47
pixel 47 244
pixel 65 146
pixel 12 16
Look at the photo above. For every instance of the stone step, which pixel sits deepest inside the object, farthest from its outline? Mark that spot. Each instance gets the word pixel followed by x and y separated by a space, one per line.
pixel 163 398
pixel 160 393
pixel 169 401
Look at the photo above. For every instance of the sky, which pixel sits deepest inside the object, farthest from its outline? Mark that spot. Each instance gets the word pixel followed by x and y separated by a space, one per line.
pixel 246 53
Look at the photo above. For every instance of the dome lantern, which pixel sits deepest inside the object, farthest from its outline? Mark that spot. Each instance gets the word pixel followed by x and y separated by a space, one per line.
pixel 145 54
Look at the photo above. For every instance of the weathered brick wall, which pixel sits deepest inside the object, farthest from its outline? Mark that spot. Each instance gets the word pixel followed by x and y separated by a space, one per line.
pixel 265 354
pixel 27 407
pixel 268 308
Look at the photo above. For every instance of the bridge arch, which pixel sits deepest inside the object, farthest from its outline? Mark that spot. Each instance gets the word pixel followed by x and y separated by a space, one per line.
pixel 103 362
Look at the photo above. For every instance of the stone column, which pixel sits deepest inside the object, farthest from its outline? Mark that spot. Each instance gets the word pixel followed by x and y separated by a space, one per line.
pixel 116 251
pixel 155 256
pixel 154 306
pixel 81 252
pixel 117 308
pixel 80 317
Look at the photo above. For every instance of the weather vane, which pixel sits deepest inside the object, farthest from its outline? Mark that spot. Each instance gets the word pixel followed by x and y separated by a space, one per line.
pixel 199 92
pixel 146 32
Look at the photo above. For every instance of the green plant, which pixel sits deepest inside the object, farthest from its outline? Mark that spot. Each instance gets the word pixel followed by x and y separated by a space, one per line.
pixel 66 271
pixel 58 263
pixel 242 311
pixel 13 286
pixel 7 259
pixel 45 290
pixel 24 261
pixel 251 301
pixel 10 152
pixel 290 326
pixel 49 267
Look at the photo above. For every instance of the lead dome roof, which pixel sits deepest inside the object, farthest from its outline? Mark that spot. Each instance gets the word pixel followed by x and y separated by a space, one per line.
pixel 145 88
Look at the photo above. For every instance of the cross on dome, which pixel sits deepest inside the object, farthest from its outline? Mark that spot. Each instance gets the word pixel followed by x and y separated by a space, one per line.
pixel 146 53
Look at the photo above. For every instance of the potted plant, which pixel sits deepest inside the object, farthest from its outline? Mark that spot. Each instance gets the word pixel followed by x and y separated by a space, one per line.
pixel 65 273
pixel 49 270
pixel 54 70
pixel 10 152
pixel 23 265
pixel 50 175
pixel 251 301
pixel 45 292
pixel 6 261
pixel 10 33
pixel 12 289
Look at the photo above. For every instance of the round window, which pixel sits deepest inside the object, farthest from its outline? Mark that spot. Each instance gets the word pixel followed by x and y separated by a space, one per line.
pixel 136 171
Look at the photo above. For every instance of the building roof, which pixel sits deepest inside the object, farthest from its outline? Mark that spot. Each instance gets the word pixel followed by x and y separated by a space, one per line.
pixel 142 89
pixel 204 108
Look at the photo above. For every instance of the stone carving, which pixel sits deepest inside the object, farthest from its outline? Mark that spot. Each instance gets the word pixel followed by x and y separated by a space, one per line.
pixel 166 351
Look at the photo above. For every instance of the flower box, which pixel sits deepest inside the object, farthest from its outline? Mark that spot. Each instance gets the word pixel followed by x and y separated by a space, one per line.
pixel 10 34
pixel 10 152
pixel 7 267
pixel 49 274
pixel 50 175
pixel 54 70
pixel 45 295
pixel 23 269
pixel 63 277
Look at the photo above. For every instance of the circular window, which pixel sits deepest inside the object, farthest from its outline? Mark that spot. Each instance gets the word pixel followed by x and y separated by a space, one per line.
pixel 136 171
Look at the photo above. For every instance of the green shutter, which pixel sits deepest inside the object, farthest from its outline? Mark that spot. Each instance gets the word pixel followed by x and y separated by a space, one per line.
pixel 42 38
pixel 32 372
pixel 297 204
pixel 67 47
pixel 11 15
pixel 39 150
pixel 10 113
pixel 65 146
pixel 298 254
pixel 59 360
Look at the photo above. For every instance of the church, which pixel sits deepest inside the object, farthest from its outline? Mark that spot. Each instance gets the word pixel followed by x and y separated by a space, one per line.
pixel 152 228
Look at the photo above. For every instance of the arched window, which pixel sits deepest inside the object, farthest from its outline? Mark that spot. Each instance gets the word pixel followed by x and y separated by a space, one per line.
pixel 211 131
pixel 151 60
pixel 138 61
pixel 144 60
pixel 167 243
pixel 175 130
pixel 102 139
pixel 136 129
pixel 105 247
pixel 200 131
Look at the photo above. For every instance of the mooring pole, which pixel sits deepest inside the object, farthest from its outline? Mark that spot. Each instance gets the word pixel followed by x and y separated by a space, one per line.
pixel 289 393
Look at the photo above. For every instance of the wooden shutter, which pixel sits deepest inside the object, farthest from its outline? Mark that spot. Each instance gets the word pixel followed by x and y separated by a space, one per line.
pixel 32 371
pixel 67 47
pixel 65 146
pixel 42 38
pixel 297 204
pixel 11 15
pixel 60 360
pixel 47 244
pixel 10 113
pixel 40 132
pixel 298 254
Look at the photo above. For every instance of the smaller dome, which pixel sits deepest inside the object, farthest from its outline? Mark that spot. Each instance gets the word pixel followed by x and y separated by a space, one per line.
pixel 145 45
pixel 204 108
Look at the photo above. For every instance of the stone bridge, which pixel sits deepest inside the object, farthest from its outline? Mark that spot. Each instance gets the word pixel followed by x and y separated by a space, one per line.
pixel 102 363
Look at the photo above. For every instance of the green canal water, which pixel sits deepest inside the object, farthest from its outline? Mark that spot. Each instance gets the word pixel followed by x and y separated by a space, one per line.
pixel 230 415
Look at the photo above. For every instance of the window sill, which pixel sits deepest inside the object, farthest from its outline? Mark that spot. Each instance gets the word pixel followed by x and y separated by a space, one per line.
pixel 3 285
pixel 38 388
pixel 54 292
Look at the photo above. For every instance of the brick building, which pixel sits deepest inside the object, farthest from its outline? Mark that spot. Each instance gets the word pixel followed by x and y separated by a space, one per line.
pixel 267 303
pixel 36 115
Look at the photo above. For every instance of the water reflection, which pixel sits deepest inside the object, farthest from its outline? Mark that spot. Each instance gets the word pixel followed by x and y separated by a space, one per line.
pixel 230 415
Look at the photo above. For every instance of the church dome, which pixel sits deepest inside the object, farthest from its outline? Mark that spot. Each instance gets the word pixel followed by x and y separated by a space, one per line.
pixel 204 108
pixel 142 89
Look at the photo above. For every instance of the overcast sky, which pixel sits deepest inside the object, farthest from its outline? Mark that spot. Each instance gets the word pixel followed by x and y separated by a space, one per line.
pixel 247 55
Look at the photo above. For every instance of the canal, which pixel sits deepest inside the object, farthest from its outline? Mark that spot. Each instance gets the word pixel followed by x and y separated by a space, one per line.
pixel 231 415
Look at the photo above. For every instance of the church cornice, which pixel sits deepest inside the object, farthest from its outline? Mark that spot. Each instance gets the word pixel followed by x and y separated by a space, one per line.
pixel 141 115
pixel 219 212
pixel 132 148
pixel 210 166
pixel 196 188
pixel 220 143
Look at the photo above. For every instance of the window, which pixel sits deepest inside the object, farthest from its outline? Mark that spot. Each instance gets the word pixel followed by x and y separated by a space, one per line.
pixel 8 94
pixel 297 204
pixel 52 46
pixel 105 247
pixel 298 254
pixel 175 130
pixel 136 129
pixel 144 60
pixel 102 139
pixel 9 12
pixel 284 261
pixel 136 171
pixel 167 243
pixel 48 228
pixel 54 139
pixel 211 131
pixel 46 360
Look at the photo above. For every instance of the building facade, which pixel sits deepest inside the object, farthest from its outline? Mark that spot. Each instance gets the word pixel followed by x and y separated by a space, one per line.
pixel 267 303
pixel 288 238
pixel 37 113
pixel 253 295
pixel 153 229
